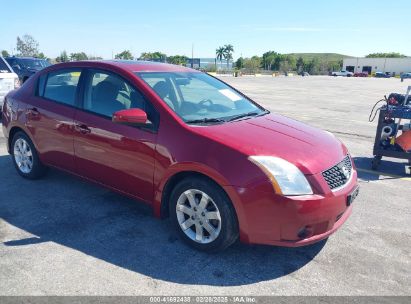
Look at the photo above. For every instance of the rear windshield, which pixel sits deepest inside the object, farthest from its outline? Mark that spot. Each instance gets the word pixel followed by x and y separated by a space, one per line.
pixel 3 66
pixel 34 63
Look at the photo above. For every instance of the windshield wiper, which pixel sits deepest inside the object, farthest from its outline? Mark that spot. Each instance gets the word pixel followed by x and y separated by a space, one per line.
pixel 246 115
pixel 205 120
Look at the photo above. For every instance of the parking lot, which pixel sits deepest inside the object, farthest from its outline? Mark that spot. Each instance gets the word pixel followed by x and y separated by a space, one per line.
pixel 65 236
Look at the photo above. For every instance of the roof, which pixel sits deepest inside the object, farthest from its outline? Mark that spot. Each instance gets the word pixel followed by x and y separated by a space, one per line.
pixel 18 57
pixel 143 66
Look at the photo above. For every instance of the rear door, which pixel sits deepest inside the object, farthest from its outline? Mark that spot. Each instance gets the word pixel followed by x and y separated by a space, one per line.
pixel 119 156
pixel 50 116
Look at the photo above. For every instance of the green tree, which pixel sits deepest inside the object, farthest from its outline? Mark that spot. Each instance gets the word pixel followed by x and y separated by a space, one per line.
pixel 27 46
pixel 385 55
pixel 269 59
pixel 228 53
pixel 292 63
pixel 4 53
pixel 41 55
pixel 252 64
pixel 177 59
pixel 145 56
pixel 313 67
pixel 239 64
pixel 219 52
pixel 92 57
pixel 63 57
pixel 78 56
pixel 284 66
pixel 125 55
pixel 334 65
pixel 300 64
pixel 156 56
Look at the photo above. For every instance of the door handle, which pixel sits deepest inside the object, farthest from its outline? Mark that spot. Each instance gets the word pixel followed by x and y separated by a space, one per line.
pixel 83 129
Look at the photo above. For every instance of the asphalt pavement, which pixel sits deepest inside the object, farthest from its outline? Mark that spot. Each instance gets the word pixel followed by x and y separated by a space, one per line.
pixel 65 236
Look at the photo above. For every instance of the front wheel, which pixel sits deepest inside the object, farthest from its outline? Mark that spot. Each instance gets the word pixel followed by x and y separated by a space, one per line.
pixel 25 157
pixel 203 215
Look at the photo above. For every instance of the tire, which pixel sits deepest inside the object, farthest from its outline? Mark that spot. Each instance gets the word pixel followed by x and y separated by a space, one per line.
pixel 219 217
pixel 25 157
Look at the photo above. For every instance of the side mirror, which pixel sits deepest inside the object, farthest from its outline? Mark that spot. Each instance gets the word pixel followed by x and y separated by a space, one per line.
pixel 16 67
pixel 132 117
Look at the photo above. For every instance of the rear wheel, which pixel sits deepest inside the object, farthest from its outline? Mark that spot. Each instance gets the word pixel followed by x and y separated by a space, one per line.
pixel 203 215
pixel 25 157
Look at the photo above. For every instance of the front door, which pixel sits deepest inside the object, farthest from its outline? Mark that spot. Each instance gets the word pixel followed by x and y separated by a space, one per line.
pixel 118 156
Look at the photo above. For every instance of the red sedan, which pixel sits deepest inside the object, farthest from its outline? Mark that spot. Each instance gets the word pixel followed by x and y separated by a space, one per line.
pixel 361 74
pixel 189 145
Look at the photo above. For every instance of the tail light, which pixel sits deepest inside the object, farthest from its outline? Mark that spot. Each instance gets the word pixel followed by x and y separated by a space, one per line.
pixel 16 83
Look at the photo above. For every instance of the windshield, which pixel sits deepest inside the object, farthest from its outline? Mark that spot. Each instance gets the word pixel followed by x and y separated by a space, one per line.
pixel 199 98
pixel 4 68
pixel 34 63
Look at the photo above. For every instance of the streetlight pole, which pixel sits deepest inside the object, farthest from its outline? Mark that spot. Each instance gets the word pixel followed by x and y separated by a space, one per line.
pixel 192 55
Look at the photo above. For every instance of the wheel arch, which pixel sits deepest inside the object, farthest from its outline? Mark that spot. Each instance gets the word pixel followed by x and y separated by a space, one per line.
pixel 182 171
pixel 174 179
pixel 12 132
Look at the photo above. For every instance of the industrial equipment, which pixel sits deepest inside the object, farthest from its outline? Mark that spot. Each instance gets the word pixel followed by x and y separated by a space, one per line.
pixel 393 136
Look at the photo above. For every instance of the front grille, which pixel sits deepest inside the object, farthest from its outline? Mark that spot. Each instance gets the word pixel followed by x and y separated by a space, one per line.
pixel 338 175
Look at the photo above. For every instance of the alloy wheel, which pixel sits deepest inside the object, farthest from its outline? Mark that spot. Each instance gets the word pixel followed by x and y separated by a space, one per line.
pixel 198 216
pixel 23 155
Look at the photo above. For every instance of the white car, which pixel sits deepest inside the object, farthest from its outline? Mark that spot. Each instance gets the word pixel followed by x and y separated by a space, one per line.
pixel 342 73
pixel 8 80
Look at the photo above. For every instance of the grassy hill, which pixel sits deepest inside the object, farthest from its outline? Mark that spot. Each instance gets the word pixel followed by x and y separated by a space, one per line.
pixel 321 56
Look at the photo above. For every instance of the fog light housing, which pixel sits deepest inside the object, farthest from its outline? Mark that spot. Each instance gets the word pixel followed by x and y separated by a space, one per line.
pixel 305 232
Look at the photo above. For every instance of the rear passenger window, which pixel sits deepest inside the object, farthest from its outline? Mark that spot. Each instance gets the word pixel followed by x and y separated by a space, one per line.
pixel 61 86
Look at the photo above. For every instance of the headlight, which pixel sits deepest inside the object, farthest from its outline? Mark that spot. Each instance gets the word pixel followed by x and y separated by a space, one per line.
pixel 286 178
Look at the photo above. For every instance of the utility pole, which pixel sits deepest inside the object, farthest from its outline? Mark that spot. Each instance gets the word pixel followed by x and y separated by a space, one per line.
pixel 192 55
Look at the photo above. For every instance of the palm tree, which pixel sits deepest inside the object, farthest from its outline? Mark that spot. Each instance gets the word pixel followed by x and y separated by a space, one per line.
pixel 228 53
pixel 220 54
pixel 145 56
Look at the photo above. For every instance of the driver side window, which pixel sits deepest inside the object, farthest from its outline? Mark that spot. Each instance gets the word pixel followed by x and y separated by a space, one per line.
pixel 107 93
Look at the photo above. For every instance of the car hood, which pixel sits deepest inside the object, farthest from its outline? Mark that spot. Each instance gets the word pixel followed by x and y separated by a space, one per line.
pixel 310 149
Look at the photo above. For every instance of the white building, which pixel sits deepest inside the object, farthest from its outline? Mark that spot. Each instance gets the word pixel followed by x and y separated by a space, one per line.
pixel 394 66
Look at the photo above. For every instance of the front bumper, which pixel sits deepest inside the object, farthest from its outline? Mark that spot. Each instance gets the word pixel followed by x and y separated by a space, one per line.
pixel 291 221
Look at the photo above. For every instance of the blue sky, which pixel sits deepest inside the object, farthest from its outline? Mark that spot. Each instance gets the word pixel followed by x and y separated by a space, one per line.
pixel 103 28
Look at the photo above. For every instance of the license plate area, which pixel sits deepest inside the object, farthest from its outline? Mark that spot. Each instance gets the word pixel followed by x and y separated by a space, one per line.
pixel 352 196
